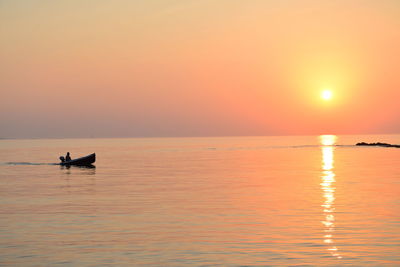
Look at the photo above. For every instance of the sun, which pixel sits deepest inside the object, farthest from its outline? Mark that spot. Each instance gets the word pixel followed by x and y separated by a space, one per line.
pixel 326 94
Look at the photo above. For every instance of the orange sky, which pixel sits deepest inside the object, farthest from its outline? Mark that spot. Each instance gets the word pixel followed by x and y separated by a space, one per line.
pixel 194 68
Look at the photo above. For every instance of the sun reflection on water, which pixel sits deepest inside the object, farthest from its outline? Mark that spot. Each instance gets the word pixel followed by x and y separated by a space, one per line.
pixel 328 191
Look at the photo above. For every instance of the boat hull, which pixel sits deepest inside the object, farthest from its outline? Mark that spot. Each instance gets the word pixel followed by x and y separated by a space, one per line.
pixel 83 161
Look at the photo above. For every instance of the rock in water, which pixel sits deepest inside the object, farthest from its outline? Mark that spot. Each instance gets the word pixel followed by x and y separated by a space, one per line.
pixel 377 144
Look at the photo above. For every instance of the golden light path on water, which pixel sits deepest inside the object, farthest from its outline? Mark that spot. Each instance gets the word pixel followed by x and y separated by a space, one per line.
pixel 328 191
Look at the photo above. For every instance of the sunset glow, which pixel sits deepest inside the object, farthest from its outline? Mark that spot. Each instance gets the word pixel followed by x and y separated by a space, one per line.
pixel 198 68
pixel 200 132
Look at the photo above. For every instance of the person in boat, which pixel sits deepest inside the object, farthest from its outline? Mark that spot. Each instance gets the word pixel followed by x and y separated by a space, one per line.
pixel 62 159
pixel 67 157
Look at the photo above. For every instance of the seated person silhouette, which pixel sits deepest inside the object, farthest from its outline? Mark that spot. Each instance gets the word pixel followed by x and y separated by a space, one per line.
pixel 67 157
pixel 62 159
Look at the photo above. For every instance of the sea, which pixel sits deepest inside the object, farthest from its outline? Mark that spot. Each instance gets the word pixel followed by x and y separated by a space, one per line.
pixel 215 201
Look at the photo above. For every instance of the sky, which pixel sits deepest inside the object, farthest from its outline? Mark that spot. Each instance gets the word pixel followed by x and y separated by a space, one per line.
pixel 154 68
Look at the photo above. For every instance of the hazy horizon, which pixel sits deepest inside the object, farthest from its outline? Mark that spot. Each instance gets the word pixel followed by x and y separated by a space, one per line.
pixel 81 69
pixel 200 136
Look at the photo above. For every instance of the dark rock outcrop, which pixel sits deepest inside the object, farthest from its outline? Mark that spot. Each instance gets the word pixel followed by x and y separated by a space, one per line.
pixel 377 144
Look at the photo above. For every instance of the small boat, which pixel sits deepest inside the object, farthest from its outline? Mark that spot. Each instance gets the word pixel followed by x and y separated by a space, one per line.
pixel 83 161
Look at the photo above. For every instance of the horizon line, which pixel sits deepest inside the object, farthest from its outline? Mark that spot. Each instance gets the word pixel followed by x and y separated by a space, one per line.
pixel 188 136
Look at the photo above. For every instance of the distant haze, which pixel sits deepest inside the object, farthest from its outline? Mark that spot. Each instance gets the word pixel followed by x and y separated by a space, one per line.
pixel 72 68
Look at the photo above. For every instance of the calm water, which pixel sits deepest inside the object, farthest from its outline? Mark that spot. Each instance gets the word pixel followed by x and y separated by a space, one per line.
pixel 201 201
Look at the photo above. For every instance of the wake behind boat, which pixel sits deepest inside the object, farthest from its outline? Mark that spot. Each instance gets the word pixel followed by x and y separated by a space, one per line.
pixel 83 161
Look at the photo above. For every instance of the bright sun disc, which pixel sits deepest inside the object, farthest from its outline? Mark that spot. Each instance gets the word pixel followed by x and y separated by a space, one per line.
pixel 326 95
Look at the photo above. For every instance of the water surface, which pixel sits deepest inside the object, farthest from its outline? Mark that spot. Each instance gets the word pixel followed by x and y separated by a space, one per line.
pixel 254 201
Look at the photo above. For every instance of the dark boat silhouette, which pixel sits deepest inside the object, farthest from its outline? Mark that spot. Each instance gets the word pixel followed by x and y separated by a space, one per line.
pixel 83 161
